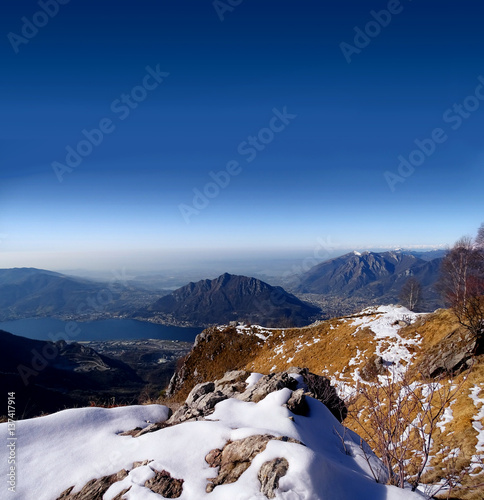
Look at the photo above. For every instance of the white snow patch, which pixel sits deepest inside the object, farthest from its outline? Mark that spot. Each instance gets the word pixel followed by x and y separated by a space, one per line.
pixel 447 417
pixel 384 321
pixel 253 378
pixel 477 460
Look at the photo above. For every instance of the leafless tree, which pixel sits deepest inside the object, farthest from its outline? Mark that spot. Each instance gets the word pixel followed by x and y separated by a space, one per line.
pixel 398 417
pixel 462 286
pixel 411 293
pixel 480 237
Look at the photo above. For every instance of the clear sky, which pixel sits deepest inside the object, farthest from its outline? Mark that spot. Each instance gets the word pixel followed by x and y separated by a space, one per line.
pixel 306 121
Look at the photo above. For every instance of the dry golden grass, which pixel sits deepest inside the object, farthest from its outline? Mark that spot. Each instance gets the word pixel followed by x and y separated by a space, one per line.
pixel 326 348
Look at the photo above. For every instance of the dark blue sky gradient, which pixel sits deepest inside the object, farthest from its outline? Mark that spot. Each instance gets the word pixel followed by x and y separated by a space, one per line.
pixel 322 176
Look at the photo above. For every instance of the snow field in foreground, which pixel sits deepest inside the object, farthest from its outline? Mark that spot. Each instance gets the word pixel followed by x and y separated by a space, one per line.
pixel 73 446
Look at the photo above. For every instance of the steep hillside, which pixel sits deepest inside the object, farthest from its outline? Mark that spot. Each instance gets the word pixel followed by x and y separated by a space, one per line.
pixel 49 376
pixel 367 350
pixel 231 298
pixel 372 278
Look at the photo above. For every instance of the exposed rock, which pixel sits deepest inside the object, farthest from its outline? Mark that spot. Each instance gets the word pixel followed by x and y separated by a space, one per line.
pixel 236 456
pixel 141 463
pixel 320 388
pixel 269 475
pixel 297 403
pixel 132 432
pixel 178 379
pixel 162 483
pixel 150 428
pixel 451 355
pixel 267 384
pixel 119 496
pixel 233 381
pixel 202 399
pixel 94 489
pixel 197 409
pixel 165 485
pixel 374 366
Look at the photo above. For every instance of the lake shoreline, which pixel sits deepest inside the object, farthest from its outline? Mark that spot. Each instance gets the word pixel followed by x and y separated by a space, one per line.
pixel 54 329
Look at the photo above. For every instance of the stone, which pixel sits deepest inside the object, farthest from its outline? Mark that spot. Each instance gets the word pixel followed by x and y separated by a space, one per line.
pixel 203 397
pixel 197 409
pixel 297 403
pixel 373 367
pixel 236 457
pixel 165 485
pixel 94 489
pixel 267 384
pixel 269 475
pixel 320 388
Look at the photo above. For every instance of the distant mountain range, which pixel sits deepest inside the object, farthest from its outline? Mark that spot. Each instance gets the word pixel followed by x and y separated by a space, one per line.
pixel 231 298
pixel 374 277
pixel 30 292
pixel 333 288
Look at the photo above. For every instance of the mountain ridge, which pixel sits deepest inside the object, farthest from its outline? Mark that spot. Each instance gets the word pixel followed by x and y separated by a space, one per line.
pixel 377 277
pixel 232 298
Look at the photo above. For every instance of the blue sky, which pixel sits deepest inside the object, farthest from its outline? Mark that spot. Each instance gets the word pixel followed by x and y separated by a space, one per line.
pixel 328 171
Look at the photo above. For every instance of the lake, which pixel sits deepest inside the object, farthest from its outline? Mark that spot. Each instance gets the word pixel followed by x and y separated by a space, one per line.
pixel 108 329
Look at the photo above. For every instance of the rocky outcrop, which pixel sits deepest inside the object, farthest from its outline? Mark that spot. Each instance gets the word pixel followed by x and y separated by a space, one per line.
pixel 202 399
pixel 94 489
pixel 236 457
pixel 297 403
pixel 450 355
pixel 165 485
pixel 161 483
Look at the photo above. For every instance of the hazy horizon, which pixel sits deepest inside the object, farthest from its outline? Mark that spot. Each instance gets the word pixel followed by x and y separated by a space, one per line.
pixel 204 264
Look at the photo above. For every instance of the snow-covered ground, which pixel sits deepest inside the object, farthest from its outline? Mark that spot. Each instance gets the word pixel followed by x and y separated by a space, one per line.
pixel 73 446
pixel 477 461
pixel 385 324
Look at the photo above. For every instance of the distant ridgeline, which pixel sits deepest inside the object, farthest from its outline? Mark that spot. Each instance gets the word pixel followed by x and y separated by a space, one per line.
pixel 232 298
pixel 333 288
